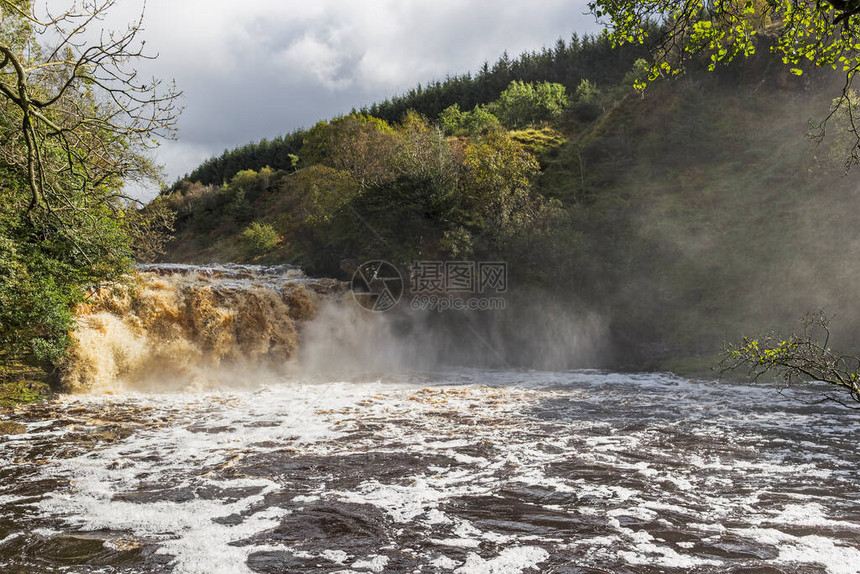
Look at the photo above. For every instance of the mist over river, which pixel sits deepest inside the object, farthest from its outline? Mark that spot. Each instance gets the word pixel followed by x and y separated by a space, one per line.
pixel 457 471
pixel 242 419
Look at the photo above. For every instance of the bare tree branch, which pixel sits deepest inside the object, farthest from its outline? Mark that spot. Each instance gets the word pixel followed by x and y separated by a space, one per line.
pixel 800 358
pixel 85 117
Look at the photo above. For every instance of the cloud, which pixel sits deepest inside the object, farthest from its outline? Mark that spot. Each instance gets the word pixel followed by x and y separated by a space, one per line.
pixel 320 60
pixel 256 68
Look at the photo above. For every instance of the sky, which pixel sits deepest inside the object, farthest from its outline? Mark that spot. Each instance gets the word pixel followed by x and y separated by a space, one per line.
pixel 258 69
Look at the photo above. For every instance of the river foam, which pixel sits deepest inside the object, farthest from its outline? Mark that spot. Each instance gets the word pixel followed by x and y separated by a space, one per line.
pixel 461 471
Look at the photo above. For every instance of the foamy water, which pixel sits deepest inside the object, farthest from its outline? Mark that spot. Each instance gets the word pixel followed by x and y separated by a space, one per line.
pixel 187 326
pixel 466 471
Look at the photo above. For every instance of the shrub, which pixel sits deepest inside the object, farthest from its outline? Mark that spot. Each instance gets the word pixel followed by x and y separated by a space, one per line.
pixel 258 238
pixel 524 104
pixel 455 122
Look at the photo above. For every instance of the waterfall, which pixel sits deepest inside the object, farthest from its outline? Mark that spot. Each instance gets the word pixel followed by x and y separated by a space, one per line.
pixel 172 327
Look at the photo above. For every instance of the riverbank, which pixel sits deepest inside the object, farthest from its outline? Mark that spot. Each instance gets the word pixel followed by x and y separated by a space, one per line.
pixel 22 384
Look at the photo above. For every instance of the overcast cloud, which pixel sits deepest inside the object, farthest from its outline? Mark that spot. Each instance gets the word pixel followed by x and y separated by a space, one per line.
pixel 257 69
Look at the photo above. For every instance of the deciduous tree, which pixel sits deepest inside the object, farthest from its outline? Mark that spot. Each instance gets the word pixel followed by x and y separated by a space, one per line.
pixel 357 143
pixel 804 32
pixel 496 185
pixel 76 112
pixel 798 359
pixel 76 121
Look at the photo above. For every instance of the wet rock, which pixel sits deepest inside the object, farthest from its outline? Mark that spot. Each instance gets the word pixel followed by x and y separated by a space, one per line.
pixel 355 528
pixel 508 513
pixel 734 547
pixel 11 427
pixel 82 549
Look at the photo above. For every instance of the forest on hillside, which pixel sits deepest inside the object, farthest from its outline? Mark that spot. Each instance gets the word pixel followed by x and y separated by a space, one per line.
pixel 661 212
pixel 566 63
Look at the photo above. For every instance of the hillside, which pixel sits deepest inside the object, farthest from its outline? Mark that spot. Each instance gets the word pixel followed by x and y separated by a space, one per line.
pixel 707 213
pixel 567 63
pixel 681 219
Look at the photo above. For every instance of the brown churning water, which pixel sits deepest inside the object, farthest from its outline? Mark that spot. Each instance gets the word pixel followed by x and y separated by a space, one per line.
pixel 173 327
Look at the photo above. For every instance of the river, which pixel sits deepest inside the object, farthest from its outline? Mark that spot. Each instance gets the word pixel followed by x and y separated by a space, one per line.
pixel 458 471
pixel 236 419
